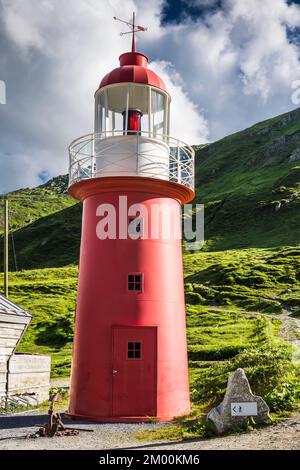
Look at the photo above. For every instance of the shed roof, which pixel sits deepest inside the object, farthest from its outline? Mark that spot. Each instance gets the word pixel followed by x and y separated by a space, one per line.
pixel 12 310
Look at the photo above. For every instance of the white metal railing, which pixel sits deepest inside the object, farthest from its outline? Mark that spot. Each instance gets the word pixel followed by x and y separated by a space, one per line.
pixel 163 157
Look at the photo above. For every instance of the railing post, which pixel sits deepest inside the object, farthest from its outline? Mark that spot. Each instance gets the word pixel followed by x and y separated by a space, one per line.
pixel 93 162
pixel 178 164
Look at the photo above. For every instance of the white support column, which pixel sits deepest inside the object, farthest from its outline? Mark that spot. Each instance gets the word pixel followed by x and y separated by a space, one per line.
pixel 113 123
pixel 126 111
pixel 149 113
pixel 105 113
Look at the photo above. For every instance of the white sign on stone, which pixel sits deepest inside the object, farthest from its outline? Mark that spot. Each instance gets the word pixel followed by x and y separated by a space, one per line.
pixel 248 408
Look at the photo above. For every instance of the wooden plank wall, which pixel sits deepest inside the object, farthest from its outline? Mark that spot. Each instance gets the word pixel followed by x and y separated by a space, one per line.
pixel 29 373
pixel 10 333
pixel 3 375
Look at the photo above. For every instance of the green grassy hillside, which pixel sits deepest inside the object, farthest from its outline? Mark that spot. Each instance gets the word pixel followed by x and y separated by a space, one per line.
pixel 249 183
pixel 224 290
pixel 247 273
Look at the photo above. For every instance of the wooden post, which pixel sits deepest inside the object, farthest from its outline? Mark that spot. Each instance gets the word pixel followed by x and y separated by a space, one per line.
pixel 5 247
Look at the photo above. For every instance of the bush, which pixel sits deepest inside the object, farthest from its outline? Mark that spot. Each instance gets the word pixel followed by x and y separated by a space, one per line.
pixel 284 397
pixel 206 292
pixel 213 353
pixel 64 393
pixel 188 287
pixel 56 330
pixel 194 298
pixel 266 369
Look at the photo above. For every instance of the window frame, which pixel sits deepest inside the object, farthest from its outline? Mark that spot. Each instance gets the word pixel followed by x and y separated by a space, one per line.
pixel 134 350
pixel 104 128
pixel 134 282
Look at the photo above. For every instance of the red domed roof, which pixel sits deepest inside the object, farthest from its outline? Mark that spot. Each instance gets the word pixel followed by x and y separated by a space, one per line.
pixel 133 69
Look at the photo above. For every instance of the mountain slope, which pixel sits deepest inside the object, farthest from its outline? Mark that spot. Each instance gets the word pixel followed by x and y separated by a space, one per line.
pixel 30 204
pixel 249 183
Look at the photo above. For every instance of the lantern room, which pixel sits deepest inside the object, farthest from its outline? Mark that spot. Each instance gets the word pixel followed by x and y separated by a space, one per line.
pixel 132 99
pixel 131 108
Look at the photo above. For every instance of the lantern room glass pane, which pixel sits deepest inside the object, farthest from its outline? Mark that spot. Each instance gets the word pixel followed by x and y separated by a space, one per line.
pixel 117 105
pixel 158 109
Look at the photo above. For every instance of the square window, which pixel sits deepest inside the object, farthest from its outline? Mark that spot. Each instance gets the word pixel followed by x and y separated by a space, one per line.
pixel 134 350
pixel 135 282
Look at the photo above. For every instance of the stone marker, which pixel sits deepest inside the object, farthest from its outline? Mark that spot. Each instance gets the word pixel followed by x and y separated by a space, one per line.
pixel 238 401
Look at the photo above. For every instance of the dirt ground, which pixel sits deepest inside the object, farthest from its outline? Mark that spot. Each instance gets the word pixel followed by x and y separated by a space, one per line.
pixel 283 436
pixel 13 429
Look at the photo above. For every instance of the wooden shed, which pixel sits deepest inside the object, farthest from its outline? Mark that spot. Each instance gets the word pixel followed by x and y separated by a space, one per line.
pixel 21 375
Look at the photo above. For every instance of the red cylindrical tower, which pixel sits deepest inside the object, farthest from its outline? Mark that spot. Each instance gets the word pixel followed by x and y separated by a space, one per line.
pixel 130 354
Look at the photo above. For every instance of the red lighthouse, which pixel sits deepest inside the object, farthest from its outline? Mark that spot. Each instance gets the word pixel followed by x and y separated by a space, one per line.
pixel 130 352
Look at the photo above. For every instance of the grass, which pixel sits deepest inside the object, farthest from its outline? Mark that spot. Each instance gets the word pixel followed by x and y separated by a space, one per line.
pixel 258 280
pixel 247 273
pixel 250 189
pixel 50 295
pixel 221 321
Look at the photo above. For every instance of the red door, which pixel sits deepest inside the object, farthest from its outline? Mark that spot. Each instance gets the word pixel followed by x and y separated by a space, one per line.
pixel 134 371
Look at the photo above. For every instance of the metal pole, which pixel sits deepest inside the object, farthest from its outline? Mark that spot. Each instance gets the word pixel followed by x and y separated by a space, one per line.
pixel 5 247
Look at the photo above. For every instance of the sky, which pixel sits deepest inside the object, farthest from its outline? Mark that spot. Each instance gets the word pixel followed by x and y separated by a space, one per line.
pixel 227 64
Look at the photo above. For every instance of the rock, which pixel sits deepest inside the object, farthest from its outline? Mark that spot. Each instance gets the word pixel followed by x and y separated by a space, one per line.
pixel 275 146
pixel 295 156
pixel 264 131
pixel 238 391
pixel 277 207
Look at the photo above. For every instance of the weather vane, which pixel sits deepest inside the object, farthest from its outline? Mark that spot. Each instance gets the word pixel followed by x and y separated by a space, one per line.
pixel 134 29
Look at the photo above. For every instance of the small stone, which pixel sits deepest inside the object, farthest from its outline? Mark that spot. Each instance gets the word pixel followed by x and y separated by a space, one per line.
pixel 238 391
pixel 294 156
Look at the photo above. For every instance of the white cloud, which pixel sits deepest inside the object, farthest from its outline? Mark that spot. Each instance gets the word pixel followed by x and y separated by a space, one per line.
pixel 55 59
pixel 229 69
pixel 238 63
pixel 186 123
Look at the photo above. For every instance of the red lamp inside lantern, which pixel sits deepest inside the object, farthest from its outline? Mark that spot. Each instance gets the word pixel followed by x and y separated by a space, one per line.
pixel 134 121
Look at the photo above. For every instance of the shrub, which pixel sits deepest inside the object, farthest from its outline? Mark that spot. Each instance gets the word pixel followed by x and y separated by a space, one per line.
pixel 56 330
pixel 193 298
pixel 188 287
pixel 213 353
pixel 266 369
pixel 284 397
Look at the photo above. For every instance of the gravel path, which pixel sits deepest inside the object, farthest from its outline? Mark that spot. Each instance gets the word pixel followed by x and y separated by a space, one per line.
pixel 283 436
pixel 60 382
pixel 13 428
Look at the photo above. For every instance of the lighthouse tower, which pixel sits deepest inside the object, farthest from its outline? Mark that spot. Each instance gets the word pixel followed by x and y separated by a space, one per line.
pixel 130 351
